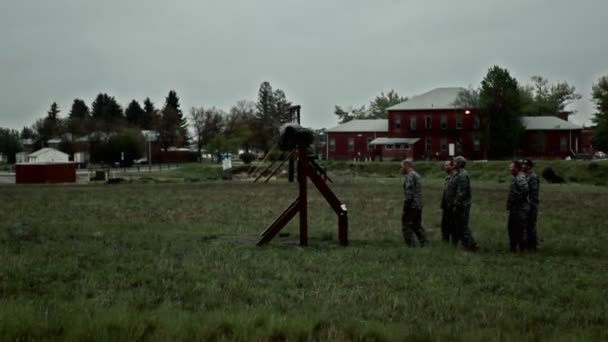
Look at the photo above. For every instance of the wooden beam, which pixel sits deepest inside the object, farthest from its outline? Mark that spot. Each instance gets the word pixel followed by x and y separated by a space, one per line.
pixel 279 223
pixel 279 167
pixel 302 181
pixel 268 168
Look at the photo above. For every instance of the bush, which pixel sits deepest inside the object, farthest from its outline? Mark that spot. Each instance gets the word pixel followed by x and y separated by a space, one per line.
pixel 130 143
pixel 247 157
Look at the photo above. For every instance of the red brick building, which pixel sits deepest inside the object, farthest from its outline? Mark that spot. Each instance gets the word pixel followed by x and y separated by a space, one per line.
pixel 431 126
pixel 437 122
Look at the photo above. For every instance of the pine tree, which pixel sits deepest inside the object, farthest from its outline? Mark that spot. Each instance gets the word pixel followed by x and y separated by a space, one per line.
pixel 174 117
pixel 106 108
pixel 78 118
pixel 263 127
pixel 600 98
pixel 150 115
pixel 500 102
pixel 79 110
pixel 135 114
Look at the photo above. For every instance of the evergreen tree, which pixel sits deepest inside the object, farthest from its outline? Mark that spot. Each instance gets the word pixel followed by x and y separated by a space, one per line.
pixel 150 115
pixel 173 118
pixel 79 110
pixel 500 102
pixel 600 98
pixel 135 114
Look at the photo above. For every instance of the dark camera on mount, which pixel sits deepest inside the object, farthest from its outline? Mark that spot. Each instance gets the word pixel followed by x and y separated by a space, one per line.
pixel 292 135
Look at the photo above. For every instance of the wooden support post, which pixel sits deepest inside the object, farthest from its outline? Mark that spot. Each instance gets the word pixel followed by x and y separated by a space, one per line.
pixel 302 180
pixel 308 169
pixel 343 229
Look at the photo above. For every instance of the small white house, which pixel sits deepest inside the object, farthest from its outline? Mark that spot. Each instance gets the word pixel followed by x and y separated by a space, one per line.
pixel 48 155
pixel 21 157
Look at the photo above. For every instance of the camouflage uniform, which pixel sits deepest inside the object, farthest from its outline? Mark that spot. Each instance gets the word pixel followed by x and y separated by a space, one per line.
pixel 461 207
pixel 533 191
pixel 411 220
pixel 518 206
pixel 447 229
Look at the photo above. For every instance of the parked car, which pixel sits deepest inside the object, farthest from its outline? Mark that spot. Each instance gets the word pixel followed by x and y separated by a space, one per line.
pixel 599 155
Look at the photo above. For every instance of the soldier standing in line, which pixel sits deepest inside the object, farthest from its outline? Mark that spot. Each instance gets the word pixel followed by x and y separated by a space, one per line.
pixel 447 229
pixel 461 204
pixel 411 220
pixel 530 235
pixel 518 206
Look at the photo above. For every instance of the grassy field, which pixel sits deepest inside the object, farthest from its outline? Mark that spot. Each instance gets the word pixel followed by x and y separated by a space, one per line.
pixel 177 261
pixel 578 172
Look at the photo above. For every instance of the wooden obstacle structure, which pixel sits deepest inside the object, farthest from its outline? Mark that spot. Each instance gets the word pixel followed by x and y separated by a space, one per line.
pixel 306 170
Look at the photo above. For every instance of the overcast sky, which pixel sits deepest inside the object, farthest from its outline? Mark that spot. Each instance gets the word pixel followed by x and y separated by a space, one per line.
pixel 320 52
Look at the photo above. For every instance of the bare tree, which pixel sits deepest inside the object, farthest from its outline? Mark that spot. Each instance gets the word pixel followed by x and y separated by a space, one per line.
pixel 198 123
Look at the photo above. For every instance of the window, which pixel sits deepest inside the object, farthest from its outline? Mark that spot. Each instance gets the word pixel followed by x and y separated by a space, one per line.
pixel 406 146
pixel 476 145
pixel 444 145
pixel 332 144
pixel 398 122
pixel 444 121
pixel 459 145
pixel 351 144
pixel 563 144
pixel 389 147
pixel 428 122
pixel 413 123
pixel 538 142
pixel 369 146
pixel 429 145
pixel 476 122
pixel 458 121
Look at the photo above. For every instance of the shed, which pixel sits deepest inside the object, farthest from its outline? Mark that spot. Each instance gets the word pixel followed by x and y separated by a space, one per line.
pixel 48 155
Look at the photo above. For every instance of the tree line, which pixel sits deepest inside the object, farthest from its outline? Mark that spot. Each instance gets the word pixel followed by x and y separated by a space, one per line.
pixel 252 125
pixel 503 101
pixel 111 130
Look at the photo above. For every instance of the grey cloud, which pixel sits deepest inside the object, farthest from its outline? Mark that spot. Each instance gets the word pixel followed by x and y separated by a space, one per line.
pixel 320 52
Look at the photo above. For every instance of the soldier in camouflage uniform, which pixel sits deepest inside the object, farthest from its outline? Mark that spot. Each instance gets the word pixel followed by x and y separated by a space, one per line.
pixel 461 204
pixel 411 220
pixel 530 235
pixel 518 206
pixel 447 229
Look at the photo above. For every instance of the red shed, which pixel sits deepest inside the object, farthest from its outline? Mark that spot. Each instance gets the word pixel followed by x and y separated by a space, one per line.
pixel 40 173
